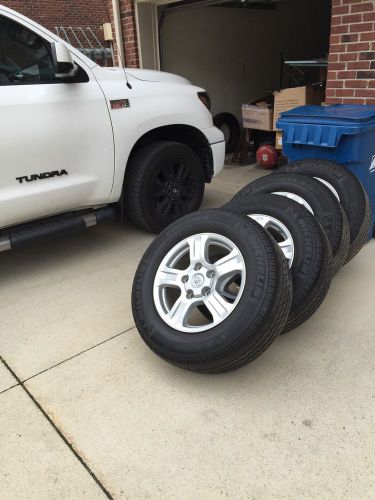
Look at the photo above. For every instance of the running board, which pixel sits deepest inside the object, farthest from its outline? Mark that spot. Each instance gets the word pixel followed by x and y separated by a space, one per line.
pixel 60 225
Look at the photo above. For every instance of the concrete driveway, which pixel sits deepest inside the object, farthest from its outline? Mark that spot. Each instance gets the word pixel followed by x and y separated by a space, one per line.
pixel 87 411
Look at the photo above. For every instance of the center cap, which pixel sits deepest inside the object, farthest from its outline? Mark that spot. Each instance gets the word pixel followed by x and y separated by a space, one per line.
pixel 197 280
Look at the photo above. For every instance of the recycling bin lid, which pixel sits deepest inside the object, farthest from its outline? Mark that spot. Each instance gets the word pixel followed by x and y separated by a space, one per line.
pixel 338 114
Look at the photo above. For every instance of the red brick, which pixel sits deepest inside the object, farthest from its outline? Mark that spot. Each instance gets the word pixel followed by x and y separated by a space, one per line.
pixel 335 84
pixel 342 28
pixel 353 18
pixel 369 16
pixel 367 56
pixel 330 92
pixel 337 10
pixel 336 21
pixel 333 57
pixel 365 93
pixel 334 39
pixel 355 84
pixel 351 56
pixel 368 36
pixel 358 28
pixel 370 101
pixel 371 84
pixel 359 65
pixel 353 37
pixel 346 75
pixel 331 75
pixel 363 7
pixel 366 75
pixel 344 92
pixel 357 47
pixel 334 100
pixel 353 101
pixel 340 47
pixel 337 66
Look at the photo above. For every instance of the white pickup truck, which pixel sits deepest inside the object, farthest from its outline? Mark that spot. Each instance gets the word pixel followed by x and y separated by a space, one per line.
pixel 80 143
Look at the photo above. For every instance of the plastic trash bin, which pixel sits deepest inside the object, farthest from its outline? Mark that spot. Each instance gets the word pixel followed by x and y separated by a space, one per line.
pixel 342 133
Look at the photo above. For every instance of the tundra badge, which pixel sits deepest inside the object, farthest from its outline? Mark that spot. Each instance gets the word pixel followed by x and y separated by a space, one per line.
pixel 44 175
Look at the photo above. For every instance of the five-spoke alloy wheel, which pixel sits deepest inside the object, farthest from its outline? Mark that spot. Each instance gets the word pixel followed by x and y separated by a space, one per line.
pixel 226 265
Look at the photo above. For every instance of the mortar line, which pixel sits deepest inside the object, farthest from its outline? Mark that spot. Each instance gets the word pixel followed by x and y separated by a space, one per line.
pixel 59 432
pixel 78 354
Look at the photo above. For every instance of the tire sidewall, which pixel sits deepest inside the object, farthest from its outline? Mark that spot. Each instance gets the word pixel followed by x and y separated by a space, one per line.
pixel 344 182
pixel 304 231
pixel 309 189
pixel 258 293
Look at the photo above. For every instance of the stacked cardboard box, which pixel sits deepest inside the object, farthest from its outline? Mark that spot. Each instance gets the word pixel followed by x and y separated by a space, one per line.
pixel 262 116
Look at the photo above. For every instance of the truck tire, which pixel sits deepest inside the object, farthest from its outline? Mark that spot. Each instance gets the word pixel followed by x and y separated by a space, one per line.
pixel 316 198
pixel 163 181
pixel 229 121
pixel 349 191
pixel 304 245
pixel 247 289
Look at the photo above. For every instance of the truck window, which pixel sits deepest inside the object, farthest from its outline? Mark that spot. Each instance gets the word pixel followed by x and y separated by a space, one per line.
pixel 25 58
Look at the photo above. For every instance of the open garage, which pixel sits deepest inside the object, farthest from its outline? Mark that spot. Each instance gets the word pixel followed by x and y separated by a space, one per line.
pixel 233 49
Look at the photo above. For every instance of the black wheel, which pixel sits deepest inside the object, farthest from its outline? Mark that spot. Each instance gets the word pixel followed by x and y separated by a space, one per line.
pixel 313 196
pixel 225 263
pixel 349 191
pixel 304 245
pixel 229 125
pixel 163 181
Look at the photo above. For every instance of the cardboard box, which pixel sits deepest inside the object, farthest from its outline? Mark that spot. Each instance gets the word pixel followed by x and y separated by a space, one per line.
pixel 279 140
pixel 258 117
pixel 292 98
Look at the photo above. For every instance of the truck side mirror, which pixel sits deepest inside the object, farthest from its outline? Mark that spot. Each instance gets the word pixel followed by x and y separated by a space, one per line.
pixel 63 61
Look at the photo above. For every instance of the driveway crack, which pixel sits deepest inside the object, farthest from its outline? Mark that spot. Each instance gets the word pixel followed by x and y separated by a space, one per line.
pixel 59 432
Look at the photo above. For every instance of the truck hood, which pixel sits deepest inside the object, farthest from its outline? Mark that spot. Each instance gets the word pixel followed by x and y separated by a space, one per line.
pixel 149 75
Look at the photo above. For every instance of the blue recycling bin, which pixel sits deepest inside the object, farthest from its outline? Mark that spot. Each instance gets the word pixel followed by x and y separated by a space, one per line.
pixel 342 133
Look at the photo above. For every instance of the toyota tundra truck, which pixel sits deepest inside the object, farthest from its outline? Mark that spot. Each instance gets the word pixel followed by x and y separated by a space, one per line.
pixel 81 144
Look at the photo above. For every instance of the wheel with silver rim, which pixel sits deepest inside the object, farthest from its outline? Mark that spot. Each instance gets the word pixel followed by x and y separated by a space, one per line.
pixel 226 265
pixel 313 196
pixel 206 270
pixel 278 230
pixel 304 245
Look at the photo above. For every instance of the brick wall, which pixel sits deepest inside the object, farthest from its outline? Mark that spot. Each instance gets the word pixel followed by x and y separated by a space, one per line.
pixel 51 13
pixel 129 31
pixel 351 68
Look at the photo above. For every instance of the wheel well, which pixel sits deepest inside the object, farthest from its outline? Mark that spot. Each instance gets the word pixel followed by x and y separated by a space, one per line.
pixel 190 136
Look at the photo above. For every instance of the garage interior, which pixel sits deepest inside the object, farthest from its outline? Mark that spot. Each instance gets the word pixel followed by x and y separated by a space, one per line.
pixel 232 49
